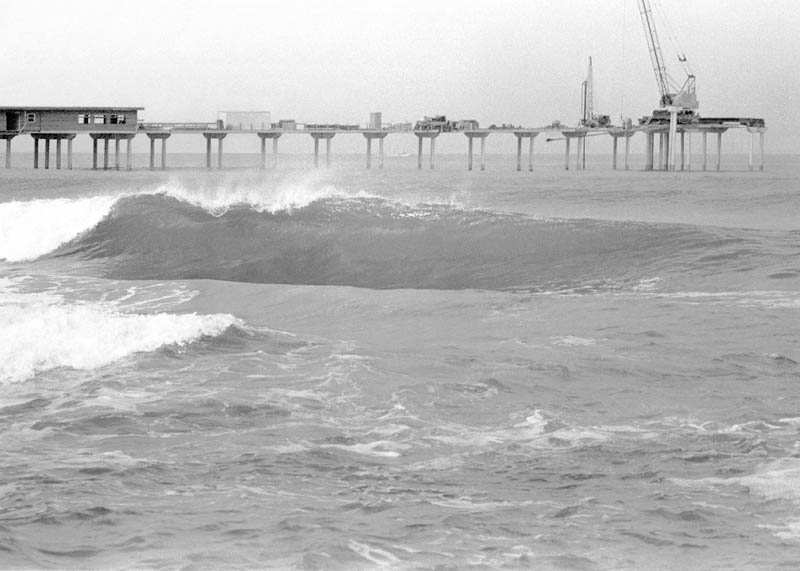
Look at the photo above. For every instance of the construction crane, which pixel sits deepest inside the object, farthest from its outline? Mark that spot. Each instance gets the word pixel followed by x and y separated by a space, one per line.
pixel 683 100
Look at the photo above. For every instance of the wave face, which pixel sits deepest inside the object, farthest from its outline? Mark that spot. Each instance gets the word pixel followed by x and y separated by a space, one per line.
pixel 369 242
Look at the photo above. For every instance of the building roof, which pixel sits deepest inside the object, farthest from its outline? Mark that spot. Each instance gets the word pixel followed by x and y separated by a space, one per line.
pixel 86 109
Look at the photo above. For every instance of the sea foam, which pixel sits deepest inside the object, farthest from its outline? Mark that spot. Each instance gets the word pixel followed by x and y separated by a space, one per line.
pixel 40 332
pixel 29 229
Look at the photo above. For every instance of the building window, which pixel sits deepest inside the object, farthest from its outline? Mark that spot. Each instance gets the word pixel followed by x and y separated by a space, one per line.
pixel 99 119
pixel 117 119
pixel 31 117
pixel 84 119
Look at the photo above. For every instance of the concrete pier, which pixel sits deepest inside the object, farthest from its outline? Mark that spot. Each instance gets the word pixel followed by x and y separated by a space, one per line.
pixel 471 136
pixel 327 136
pixel 380 136
pixel 46 137
pixel 158 136
pixel 8 138
pixel 520 135
pixel 218 136
pixel 650 143
pixel 705 150
pixel 580 151
pixel 426 134
pixel 688 150
pixel 274 136
pixel 616 134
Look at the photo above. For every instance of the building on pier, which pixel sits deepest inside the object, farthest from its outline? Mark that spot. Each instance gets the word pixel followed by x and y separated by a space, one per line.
pixel 64 123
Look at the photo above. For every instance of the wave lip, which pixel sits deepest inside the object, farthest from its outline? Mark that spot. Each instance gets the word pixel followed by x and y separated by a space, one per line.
pixel 38 332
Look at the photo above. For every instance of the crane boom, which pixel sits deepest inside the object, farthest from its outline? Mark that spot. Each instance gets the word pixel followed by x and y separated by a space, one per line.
pixel 684 98
pixel 654 47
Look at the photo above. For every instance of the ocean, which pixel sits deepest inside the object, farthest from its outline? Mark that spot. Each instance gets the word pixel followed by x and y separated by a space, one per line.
pixel 351 369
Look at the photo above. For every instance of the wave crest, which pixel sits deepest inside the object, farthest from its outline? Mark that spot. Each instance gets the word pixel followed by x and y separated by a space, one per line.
pixel 40 332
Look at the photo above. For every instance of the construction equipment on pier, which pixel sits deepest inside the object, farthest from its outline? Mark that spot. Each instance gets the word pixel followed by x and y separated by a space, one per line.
pixel 683 100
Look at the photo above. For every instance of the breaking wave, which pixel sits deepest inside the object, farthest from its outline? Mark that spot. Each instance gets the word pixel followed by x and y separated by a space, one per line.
pixel 318 235
pixel 40 332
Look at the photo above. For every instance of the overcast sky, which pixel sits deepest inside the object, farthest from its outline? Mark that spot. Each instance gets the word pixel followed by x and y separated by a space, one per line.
pixel 518 61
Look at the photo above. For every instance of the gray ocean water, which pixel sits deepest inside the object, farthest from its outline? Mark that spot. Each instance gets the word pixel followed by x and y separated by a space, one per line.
pixel 350 369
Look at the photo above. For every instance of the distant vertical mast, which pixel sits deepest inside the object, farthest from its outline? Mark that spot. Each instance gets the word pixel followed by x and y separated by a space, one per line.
pixel 587 99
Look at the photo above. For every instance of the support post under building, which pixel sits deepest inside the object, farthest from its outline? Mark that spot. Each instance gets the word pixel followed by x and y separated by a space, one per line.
pixel 264 135
pixel 218 135
pixel 380 136
pixel 426 134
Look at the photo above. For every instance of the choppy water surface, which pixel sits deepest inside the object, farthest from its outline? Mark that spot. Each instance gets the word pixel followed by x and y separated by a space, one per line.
pixel 349 369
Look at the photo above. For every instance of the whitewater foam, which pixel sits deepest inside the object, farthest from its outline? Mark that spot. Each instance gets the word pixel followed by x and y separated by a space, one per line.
pixel 288 195
pixel 29 229
pixel 40 332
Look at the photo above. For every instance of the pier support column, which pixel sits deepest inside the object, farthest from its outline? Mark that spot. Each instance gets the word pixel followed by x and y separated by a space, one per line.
pixel 327 135
pixel 8 152
pixel 105 153
pixel 530 152
pixel 672 142
pixel 369 136
pixel 683 150
pixel 627 151
pixel 566 153
pixel 116 153
pixel 719 150
pixel 94 153
pixel 264 135
pixel 688 150
pixel 760 143
pixel 47 153
pixel 426 134
pixel 69 153
pixel 58 153
pixel 164 153
pixel 650 143
pixel 519 153
pixel 128 155
pixel 483 153
pixel 218 135
pixel 614 152
pixel 580 156
pixel 36 152
pixel 469 152
pixel 751 152
pixel 152 153
pixel 705 150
